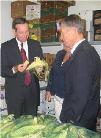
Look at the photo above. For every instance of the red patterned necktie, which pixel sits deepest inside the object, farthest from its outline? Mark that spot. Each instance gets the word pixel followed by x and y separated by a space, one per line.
pixel 27 80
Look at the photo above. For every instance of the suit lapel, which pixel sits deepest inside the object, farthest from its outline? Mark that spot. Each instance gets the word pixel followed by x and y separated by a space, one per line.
pixel 16 51
pixel 30 51
pixel 76 52
pixel 80 48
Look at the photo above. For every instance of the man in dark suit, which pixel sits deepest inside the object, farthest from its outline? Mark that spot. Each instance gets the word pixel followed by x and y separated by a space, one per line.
pixel 21 98
pixel 82 76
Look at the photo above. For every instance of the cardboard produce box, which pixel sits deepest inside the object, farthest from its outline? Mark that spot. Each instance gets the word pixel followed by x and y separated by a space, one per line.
pixel 18 8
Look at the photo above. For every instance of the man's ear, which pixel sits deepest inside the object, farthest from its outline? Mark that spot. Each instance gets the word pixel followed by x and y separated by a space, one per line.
pixel 76 31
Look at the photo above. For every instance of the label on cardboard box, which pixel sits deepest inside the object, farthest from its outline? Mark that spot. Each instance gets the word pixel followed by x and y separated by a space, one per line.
pixel 33 12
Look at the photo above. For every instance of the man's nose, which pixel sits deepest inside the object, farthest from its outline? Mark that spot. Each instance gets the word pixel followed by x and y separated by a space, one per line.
pixel 24 35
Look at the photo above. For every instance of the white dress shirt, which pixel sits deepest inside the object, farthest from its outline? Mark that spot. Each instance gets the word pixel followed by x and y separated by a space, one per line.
pixel 25 46
pixel 76 45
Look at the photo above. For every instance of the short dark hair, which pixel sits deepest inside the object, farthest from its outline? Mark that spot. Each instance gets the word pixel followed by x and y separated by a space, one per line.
pixel 74 21
pixel 18 21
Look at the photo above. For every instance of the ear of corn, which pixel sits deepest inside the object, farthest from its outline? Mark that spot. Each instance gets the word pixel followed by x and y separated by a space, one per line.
pixel 6 118
pixel 39 68
pixel 42 126
pixel 59 128
pixel 26 63
pixel 6 129
pixel 26 130
pixel 36 63
pixel 36 135
pixel 22 122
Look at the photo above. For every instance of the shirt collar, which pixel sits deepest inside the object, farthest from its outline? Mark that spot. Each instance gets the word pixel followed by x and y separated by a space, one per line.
pixel 76 45
pixel 19 43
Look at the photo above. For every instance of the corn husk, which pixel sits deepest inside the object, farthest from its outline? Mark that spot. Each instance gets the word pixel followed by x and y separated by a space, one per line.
pixel 39 68
pixel 26 63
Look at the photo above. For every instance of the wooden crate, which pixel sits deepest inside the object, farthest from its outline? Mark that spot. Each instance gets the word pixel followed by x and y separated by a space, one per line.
pixel 97 21
pixel 49 38
pixel 47 4
pixel 48 18
pixel 49 58
pixel 97 17
pixel 97 14
pixel 97 37
pixel 18 8
pixel 48 31
pixel 97 25
pixel 97 32
pixel 53 10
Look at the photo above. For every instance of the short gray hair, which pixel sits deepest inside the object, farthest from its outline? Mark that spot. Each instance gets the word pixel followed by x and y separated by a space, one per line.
pixel 74 21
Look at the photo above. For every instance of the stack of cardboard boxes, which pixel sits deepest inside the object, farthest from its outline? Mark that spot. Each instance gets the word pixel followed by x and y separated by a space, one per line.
pixel 97 25
pixel 51 11
pixel 43 28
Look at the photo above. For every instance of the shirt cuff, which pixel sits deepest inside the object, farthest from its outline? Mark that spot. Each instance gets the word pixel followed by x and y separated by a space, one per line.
pixel 14 69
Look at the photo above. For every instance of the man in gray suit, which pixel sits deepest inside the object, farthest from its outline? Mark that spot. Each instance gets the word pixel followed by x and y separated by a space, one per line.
pixel 22 90
pixel 82 76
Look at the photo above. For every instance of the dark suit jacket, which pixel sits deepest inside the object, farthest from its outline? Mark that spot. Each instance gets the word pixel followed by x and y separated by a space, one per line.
pixel 56 77
pixel 10 56
pixel 82 87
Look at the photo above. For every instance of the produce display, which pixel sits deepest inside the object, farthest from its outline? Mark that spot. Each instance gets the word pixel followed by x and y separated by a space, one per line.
pixel 42 126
